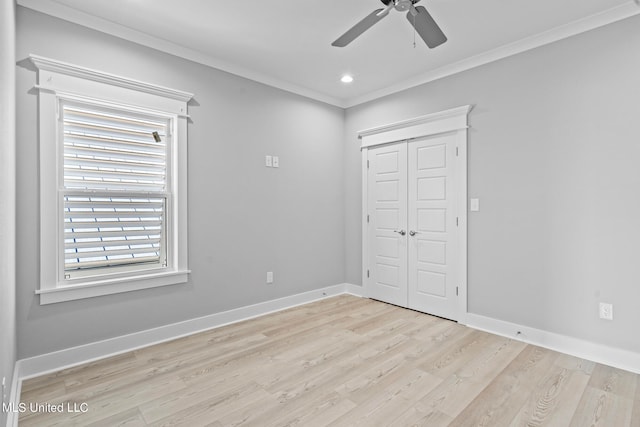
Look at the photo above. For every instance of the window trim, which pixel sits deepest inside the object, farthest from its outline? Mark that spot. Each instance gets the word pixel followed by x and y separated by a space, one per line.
pixel 59 82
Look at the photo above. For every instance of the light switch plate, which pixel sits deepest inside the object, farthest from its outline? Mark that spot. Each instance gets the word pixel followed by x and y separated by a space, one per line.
pixel 276 162
pixel 475 205
pixel 269 276
pixel 268 161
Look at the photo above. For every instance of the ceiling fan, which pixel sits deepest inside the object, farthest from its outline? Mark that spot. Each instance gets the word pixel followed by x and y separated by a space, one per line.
pixel 418 16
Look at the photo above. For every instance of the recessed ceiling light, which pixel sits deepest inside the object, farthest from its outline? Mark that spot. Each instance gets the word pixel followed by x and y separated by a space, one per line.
pixel 346 78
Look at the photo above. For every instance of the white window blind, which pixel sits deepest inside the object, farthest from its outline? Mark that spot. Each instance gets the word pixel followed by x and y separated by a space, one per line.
pixel 115 188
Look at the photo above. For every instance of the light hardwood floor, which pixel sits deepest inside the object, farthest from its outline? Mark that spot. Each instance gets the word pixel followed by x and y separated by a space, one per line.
pixel 344 361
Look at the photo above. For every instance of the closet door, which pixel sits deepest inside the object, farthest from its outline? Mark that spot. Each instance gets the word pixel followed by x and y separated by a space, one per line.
pixel 432 229
pixel 387 227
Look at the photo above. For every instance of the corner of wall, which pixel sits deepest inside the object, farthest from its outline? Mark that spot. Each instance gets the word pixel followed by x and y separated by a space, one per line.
pixel 12 415
pixel 8 196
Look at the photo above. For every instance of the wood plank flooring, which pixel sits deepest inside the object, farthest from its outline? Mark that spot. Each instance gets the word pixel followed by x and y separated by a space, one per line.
pixel 343 361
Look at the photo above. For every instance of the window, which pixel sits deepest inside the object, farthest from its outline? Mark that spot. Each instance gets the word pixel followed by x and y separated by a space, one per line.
pixel 112 183
pixel 114 196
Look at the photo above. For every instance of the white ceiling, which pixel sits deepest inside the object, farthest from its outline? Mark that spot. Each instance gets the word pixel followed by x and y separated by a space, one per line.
pixel 287 44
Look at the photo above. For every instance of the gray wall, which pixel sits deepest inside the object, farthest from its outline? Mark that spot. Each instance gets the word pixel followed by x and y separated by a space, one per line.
pixel 7 196
pixel 554 155
pixel 244 219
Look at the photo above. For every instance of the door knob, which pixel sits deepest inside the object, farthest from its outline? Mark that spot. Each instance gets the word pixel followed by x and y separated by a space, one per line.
pixel 413 233
pixel 400 232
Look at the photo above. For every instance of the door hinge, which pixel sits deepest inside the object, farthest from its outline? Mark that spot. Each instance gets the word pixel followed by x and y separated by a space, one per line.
pixel 367 218
pixel 456 221
pixel 456 291
pixel 367 273
pixel 456 151
pixel 367 164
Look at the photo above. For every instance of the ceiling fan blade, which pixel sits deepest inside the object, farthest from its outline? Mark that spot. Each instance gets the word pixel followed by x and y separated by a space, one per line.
pixel 426 27
pixel 360 27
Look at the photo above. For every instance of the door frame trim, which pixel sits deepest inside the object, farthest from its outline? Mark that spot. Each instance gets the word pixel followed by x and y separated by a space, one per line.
pixel 454 120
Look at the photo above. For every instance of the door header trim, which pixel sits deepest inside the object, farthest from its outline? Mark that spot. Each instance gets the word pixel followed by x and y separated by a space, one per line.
pixel 430 124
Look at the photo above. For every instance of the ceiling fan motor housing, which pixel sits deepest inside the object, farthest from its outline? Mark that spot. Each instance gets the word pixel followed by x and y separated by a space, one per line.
pixel 400 5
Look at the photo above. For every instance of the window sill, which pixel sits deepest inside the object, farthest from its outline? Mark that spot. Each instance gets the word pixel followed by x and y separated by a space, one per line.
pixel 112 286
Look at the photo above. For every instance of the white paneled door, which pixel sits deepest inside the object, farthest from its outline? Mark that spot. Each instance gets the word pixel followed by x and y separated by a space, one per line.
pixel 432 252
pixel 412 229
pixel 387 198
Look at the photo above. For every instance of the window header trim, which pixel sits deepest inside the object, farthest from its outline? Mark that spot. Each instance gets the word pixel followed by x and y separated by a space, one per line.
pixel 48 64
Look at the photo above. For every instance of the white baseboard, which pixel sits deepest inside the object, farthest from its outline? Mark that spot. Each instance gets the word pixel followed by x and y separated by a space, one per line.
pixel 354 290
pixel 55 361
pixel 611 356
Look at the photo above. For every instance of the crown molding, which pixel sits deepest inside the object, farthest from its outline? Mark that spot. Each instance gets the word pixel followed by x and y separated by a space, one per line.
pixel 50 7
pixel 57 10
pixel 592 22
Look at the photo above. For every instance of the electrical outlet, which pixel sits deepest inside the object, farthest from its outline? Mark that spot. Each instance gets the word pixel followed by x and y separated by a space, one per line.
pixel 269 276
pixel 276 162
pixel 268 161
pixel 606 311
